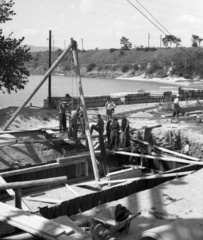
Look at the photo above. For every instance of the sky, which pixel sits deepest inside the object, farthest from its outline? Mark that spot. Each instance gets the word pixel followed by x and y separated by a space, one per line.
pixel 102 23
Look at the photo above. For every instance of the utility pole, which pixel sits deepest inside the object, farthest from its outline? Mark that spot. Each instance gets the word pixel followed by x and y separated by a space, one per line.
pixel 148 39
pixel 53 45
pixel 160 41
pixel 64 44
pixel 82 43
pixel 49 83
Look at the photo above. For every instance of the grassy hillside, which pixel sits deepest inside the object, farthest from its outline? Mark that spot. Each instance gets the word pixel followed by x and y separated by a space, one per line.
pixel 187 62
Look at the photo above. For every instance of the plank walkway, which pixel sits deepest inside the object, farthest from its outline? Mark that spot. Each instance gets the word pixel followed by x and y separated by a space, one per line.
pixel 34 224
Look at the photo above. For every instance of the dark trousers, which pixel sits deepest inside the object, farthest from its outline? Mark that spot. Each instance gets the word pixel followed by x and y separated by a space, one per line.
pixel 114 136
pixel 94 127
pixel 73 129
pixel 62 122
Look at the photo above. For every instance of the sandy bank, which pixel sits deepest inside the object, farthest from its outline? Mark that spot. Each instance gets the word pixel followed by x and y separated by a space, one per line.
pixel 167 80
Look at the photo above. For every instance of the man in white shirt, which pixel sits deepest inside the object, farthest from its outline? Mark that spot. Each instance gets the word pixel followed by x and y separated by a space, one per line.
pixel 110 108
pixel 176 107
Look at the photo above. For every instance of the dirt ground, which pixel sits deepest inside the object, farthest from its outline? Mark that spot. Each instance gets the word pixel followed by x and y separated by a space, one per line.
pixel 163 205
pixel 155 206
pixel 144 114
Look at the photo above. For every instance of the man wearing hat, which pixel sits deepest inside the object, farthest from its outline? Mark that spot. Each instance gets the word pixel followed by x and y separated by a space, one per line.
pixel 63 105
pixel 176 107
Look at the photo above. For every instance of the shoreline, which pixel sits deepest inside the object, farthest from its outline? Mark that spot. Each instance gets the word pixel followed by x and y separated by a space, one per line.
pixel 167 80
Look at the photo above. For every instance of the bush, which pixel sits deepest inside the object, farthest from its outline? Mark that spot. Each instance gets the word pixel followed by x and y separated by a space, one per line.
pixel 114 67
pixel 90 67
pixel 125 68
pixel 112 50
pixel 135 67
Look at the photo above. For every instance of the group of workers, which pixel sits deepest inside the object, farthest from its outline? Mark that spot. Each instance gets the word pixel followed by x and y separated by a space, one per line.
pixel 117 133
pixel 75 119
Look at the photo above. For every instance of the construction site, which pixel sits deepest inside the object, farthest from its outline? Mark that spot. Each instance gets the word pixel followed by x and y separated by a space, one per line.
pixel 55 187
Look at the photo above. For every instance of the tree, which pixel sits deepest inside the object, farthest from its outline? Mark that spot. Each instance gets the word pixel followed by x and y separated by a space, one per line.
pixel 126 44
pixel 13 55
pixel 171 39
pixel 196 40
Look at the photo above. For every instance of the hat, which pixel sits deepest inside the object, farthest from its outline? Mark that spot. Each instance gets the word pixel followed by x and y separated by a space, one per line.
pixel 177 95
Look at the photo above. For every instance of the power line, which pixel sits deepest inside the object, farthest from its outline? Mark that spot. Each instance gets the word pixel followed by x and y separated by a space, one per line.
pixel 146 17
pixel 165 33
pixel 152 16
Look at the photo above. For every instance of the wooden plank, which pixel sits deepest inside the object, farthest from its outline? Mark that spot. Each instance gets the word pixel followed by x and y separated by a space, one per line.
pixel 39 168
pixel 70 188
pixel 170 159
pixel 33 224
pixel 167 150
pixel 76 157
pixel 44 200
pixel 168 175
pixel 147 126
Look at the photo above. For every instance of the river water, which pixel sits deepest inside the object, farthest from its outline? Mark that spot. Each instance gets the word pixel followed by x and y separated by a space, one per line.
pixel 62 85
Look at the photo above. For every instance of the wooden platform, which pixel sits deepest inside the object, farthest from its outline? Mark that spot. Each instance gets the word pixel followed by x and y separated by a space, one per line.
pixel 34 224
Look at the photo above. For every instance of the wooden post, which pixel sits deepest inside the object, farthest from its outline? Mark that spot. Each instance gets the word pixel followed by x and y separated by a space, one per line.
pixel 82 101
pixel 18 196
pixel 49 84
pixel 55 64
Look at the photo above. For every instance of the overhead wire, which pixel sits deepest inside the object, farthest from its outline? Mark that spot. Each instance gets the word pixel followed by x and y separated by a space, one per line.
pixel 181 46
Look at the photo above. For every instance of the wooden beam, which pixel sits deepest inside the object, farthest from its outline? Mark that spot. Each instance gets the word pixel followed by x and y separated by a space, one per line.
pixel 33 224
pixel 167 150
pixel 70 188
pixel 39 168
pixel 44 200
pixel 50 70
pixel 18 196
pixel 82 102
pixel 169 175
pixel 158 158
pixel 147 126
pixel 25 184
pixel 77 157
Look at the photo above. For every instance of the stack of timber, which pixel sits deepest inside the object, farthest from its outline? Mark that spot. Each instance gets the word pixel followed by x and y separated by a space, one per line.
pixel 37 225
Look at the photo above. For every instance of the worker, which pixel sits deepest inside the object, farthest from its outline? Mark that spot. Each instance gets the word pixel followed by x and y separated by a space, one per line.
pixel 108 131
pixel 187 148
pixel 73 123
pixel 114 135
pixel 134 149
pixel 110 108
pixel 125 134
pixel 99 127
pixel 63 106
pixel 82 121
pixel 176 108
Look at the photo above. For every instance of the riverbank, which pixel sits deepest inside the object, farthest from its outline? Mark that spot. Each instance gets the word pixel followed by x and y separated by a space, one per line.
pixel 168 80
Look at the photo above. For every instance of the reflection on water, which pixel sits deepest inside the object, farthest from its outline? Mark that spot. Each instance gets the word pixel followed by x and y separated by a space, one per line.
pixel 62 85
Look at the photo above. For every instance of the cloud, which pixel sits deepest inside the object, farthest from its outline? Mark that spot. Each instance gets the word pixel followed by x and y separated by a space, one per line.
pixel 63 16
pixel 30 32
pixel 86 5
pixel 119 23
pixel 190 19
